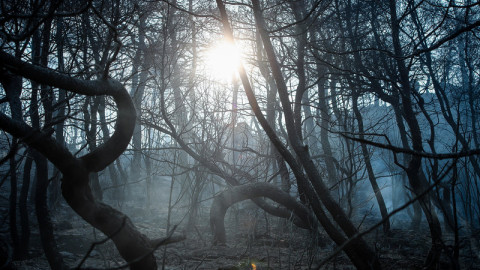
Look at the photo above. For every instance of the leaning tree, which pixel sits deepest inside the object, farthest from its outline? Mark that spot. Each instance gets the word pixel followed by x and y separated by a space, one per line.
pixel 21 24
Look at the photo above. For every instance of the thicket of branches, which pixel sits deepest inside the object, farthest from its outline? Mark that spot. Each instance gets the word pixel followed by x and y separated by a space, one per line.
pixel 338 107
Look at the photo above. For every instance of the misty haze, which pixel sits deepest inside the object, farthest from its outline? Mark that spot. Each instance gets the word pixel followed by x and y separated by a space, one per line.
pixel 243 134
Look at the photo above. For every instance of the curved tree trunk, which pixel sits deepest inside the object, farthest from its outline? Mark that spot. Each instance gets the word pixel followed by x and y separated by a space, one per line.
pixel 229 197
pixel 359 252
pixel 133 246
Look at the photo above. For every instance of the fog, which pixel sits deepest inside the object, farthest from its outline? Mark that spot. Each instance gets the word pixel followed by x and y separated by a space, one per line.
pixel 239 135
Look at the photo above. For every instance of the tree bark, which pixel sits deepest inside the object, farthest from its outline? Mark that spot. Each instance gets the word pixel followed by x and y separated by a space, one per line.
pixel 23 207
pixel 368 165
pixel 229 197
pixel 13 88
pixel 417 183
pixel 358 251
pixel 133 246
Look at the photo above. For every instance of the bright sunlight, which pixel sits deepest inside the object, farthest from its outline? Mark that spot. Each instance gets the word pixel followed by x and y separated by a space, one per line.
pixel 222 61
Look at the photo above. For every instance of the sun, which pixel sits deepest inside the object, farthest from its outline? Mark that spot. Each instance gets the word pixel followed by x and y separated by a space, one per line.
pixel 222 61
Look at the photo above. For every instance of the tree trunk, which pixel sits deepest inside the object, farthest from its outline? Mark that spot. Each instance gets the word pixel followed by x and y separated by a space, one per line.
pixel 368 165
pixel 358 251
pixel 13 88
pixel 12 211
pixel 417 183
pixel 229 197
pixel 132 245
pixel 23 207
pixel 55 259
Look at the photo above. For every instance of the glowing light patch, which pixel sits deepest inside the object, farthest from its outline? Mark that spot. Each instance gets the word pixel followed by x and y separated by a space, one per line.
pixel 223 60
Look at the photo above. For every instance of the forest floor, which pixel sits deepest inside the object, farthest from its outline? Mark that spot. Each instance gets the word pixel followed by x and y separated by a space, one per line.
pixel 251 244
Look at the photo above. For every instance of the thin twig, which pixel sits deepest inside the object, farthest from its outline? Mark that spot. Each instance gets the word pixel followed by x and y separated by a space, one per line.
pixel 94 244
pixel 155 245
pixel 360 234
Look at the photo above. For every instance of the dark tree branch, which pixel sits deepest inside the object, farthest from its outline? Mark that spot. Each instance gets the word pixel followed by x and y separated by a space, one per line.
pixel 227 198
pixel 396 149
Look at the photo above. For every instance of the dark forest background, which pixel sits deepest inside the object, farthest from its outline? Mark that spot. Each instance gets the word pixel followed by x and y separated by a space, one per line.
pixel 346 135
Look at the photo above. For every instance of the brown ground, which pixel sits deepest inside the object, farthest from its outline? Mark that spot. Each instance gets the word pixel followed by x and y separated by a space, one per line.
pixel 290 248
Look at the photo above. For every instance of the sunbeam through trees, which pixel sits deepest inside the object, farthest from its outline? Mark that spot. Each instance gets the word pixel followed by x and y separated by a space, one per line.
pixel 249 134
